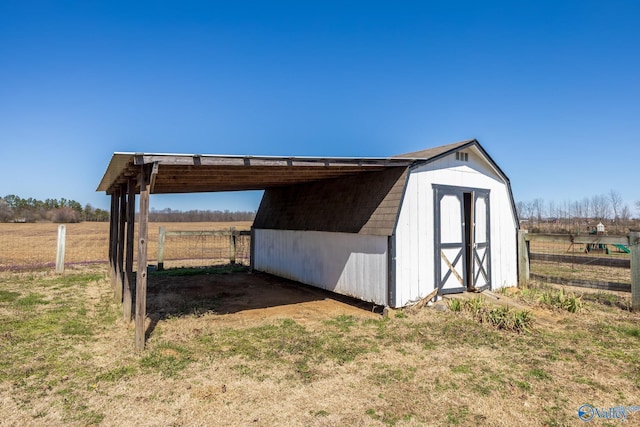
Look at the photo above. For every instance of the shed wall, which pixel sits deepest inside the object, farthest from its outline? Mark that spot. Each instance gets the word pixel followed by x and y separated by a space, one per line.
pixel 415 239
pixel 345 263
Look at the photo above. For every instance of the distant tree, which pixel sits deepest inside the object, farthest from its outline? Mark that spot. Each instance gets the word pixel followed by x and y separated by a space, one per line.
pixel 538 208
pixel 576 210
pixel 172 215
pixel 12 200
pixel 6 212
pixel 625 215
pixel 65 215
pixel 586 208
pixel 616 203
pixel 600 206
pixel 520 209
pixel 553 211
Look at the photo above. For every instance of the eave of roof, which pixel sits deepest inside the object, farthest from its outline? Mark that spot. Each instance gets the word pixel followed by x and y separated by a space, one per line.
pixel 187 173
pixel 184 173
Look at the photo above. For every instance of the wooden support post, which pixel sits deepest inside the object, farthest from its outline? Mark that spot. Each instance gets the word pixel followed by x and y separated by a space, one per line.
pixel 634 245
pixel 523 259
pixel 232 245
pixel 128 269
pixel 141 278
pixel 62 231
pixel 120 244
pixel 162 232
pixel 252 249
pixel 112 241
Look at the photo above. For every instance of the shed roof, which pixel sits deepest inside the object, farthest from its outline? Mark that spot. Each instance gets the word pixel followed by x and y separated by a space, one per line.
pixel 190 173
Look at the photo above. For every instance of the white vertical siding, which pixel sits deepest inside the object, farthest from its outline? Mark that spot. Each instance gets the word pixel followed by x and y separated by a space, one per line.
pixel 415 276
pixel 345 263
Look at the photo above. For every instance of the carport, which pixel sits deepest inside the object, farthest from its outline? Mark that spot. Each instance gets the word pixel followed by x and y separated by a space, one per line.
pixel 143 174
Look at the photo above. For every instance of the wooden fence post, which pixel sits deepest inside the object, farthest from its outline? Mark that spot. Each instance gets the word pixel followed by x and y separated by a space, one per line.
pixel 127 294
pixel 232 245
pixel 120 244
pixel 141 275
pixel 634 245
pixel 523 259
pixel 62 231
pixel 161 238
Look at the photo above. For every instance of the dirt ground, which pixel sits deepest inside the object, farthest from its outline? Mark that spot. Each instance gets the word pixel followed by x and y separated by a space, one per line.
pixel 248 299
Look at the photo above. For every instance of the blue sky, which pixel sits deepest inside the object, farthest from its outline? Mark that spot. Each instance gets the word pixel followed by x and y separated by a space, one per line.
pixel 551 89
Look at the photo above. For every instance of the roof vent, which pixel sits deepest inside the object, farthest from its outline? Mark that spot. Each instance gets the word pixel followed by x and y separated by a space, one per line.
pixel 462 156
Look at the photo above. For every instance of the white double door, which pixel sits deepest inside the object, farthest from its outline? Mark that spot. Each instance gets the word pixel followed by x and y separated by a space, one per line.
pixel 462 244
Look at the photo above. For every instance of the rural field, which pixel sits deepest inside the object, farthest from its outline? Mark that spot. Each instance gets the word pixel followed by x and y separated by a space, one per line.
pixel 227 347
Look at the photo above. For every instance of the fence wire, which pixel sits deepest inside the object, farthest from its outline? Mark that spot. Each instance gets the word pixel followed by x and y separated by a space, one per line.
pixel 575 261
pixel 205 250
pixel 31 246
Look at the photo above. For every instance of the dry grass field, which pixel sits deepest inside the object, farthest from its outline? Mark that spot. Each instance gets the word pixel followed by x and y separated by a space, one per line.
pixel 30 245
pixel 231 348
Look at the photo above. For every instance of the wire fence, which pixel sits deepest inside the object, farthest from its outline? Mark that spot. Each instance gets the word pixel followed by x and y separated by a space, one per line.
pixel 32 246
pixel 597 265
pixel 203 248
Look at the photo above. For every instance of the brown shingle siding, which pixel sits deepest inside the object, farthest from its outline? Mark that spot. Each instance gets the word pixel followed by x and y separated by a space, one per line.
pixel 366 203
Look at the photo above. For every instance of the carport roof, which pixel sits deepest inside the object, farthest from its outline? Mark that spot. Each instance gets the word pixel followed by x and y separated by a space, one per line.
pixel 191 173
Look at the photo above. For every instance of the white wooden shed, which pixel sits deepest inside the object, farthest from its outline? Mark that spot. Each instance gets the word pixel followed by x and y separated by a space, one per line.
pixel 446 221
pixel 387 230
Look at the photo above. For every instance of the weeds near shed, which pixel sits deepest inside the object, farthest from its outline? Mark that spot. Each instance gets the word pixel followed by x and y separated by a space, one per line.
pixel 562 300
pixel 500 317
pixel 553 298
pixel 455 305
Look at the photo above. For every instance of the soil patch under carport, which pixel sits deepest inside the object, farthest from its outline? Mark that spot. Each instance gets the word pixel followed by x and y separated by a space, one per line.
pixel 233 295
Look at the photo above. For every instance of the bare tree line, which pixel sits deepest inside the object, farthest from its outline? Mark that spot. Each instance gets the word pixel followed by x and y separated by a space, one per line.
pixel 16 209
pixel 578 215
pixel 173 215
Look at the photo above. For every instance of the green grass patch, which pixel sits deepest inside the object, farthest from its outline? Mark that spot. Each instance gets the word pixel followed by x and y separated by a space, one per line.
pixel 77 327
pixel 75 279
pixel 116 374
pixel 167 358
pixel 457 415
pixel 8 296
pixel 31 300
pixel 461 369
pixel 523 385
pixel 389 374
pixel 538 374
pixel 289 343
pixel 342 322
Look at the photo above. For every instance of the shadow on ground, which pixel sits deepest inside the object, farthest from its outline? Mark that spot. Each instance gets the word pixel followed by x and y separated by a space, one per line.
pixel 232 289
